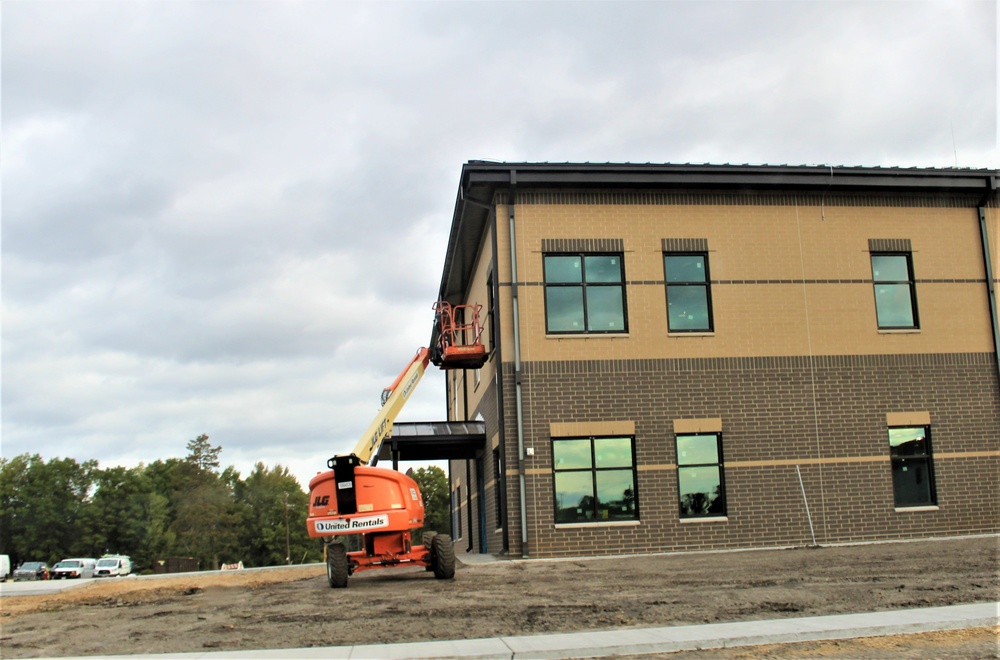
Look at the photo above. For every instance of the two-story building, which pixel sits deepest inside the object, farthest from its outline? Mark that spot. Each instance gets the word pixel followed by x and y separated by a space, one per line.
pixel 698 357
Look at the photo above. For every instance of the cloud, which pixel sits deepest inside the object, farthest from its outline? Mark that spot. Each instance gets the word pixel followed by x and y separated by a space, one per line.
pixel 230 218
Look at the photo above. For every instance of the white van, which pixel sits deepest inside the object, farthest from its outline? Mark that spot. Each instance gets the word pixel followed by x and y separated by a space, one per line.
pixel 4 567
pixel 113 566
pixel 83 567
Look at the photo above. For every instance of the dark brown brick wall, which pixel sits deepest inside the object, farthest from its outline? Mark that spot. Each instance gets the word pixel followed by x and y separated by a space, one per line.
pixel 826 414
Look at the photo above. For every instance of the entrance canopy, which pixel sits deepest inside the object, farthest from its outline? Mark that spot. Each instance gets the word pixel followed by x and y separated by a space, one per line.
pixel 433 441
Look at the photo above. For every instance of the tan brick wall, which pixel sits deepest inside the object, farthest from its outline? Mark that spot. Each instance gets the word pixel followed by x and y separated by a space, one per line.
pixel 817 298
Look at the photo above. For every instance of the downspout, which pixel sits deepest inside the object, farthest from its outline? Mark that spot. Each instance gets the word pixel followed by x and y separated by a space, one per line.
pixel 468 501
pixel 468 471
pixel 468 468
pixel 498 377
pixel 991 183
pixel 515 318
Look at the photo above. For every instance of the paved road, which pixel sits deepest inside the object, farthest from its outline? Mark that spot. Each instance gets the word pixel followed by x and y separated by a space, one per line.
pixel 44 587
pixel 40 587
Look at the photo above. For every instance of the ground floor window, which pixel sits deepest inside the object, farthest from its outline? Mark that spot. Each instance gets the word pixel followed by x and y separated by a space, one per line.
pixel 594 479
pixel 912 466
pixel 700 477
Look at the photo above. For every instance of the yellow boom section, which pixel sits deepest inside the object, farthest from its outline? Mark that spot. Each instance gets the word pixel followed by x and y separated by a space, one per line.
pixel 393 399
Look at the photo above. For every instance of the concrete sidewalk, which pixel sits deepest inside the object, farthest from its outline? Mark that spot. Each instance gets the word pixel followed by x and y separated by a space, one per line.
pixel 652 640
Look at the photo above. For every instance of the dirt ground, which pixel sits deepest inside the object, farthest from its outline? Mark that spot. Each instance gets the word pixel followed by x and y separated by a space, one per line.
pixel 294 607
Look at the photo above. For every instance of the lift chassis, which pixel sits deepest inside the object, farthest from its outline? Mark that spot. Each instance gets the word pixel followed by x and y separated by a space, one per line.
pixel 382 505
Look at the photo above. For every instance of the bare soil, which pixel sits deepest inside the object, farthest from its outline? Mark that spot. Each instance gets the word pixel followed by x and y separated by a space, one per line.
pixel 295 607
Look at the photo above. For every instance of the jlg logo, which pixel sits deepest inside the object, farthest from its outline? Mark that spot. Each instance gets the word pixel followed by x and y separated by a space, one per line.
pixel 321 500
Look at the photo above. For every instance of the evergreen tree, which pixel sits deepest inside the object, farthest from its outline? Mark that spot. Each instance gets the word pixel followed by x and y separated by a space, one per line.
pixel 202 454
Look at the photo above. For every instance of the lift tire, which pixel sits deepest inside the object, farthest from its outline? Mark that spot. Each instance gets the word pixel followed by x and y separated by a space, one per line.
pixel 337 568
pixel 443 557
pixel 428 541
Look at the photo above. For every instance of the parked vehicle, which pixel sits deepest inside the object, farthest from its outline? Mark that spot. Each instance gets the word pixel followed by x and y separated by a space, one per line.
pixel 32 570
pixel 113 566
pixel 4 567
pixel 74 568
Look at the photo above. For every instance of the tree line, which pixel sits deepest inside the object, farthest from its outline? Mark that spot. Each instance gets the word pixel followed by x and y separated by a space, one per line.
pixel 52 510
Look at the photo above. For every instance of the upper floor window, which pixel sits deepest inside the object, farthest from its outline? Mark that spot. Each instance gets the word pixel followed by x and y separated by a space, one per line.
pixel 895 291
pixel 489 318
pixel 689 298
pixel 700 479
pixel 912 467
pixel 594 479
pixel 584 293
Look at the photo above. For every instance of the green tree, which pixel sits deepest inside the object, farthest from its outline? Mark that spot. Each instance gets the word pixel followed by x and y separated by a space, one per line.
pixel 205 514
pixel 437 500
pixel 274 508
pixel 126 516
pixel 41 506
pixel 150 522
pixel 206 522
pixel 202 454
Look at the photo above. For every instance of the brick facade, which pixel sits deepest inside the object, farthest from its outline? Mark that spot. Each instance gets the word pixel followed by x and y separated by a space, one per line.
pixel 795 372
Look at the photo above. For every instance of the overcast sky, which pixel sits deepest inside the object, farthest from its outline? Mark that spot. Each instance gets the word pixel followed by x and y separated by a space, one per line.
pixel 230 217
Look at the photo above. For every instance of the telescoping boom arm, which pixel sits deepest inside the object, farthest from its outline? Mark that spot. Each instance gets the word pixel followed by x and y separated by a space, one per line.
pixel 394 398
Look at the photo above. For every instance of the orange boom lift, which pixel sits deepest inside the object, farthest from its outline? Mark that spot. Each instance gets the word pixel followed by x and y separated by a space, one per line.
pixel 381 504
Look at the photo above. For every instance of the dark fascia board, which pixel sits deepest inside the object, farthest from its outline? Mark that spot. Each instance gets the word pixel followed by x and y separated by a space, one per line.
pixel 481 179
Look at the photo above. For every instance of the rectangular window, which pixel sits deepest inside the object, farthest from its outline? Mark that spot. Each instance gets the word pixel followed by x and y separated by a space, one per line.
pixel 912 467
pixel 700 478
pixel 584 293
pixel 594 479
pixel 895 291
pixel 689 298
pixel 487 322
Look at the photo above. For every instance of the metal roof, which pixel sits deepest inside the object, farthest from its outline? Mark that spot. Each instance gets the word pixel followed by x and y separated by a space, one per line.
pixel 480 180
pixel 433 441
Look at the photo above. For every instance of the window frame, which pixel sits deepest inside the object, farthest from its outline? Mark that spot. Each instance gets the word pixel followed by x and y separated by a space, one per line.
pixel 926 459
pixel 910 282
pixel 583 285
pixel 594 470
pixel 488 322
pixel 719 464
pixel 456 512
pixel 497 491
pixel 706 284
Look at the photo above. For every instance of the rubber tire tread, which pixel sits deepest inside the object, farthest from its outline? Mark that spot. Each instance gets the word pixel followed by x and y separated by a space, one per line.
pixel 443 557
pixel 337 569
pixel 428 539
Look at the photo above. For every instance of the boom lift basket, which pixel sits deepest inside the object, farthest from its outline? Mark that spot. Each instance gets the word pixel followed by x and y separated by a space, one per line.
pixel 457 337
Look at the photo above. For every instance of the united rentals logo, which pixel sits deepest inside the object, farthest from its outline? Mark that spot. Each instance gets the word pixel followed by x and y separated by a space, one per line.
pixel 410 384
pixel 351 525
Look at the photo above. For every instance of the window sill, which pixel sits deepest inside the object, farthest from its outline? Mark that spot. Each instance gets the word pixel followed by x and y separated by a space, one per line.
pixel 593 335
pixel 599 523
pixel 908 509
pixel 900 331
pixel 685 521
pixel 691 334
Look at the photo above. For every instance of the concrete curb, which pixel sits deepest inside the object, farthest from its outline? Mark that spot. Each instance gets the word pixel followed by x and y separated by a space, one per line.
pixel 651 640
